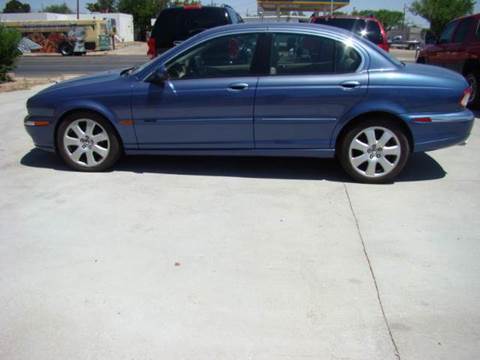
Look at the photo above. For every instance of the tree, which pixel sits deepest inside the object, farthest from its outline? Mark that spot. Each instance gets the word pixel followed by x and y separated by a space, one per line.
pixel 389 18
pixel 15 6
pixel 58 9
pixel 9 39
pixel 440 12
pixel 143 11
pixel 104 6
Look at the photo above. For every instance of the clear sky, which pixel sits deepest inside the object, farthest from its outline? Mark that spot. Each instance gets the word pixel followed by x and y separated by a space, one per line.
pixel 243 5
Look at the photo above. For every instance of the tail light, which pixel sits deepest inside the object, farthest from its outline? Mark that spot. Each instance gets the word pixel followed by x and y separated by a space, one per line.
pixel 384 46
pixel 152 48
pixel 466 97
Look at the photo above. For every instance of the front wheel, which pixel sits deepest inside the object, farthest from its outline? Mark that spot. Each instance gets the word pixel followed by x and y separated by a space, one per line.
pixel 88 142
pixel 374 151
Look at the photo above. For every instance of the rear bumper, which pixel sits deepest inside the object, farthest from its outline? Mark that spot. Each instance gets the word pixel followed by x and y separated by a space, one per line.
pixel 444 129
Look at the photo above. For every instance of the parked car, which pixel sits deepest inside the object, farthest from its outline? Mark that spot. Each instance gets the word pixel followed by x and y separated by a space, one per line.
pixel 259 90
pixel 399 43
pixel 177 24
pixel 368 27
pixel 458 48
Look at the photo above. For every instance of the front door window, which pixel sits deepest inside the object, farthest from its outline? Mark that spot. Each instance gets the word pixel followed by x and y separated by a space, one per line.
pixel 447 33
pixel 227 56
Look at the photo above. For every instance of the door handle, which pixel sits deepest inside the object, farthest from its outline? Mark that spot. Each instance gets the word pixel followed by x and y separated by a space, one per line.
pixel 238 86
pixel 350 84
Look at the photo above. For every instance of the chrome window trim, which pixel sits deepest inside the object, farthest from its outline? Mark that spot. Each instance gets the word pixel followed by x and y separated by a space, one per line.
pixel 266 30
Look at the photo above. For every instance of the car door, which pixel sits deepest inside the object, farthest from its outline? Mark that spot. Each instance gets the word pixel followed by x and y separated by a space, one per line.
pixel 207 101
pixel 457 54
pixel 439 53
pixel 313 82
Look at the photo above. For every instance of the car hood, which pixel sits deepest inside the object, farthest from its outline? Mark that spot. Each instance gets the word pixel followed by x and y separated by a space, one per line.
pixel 87 80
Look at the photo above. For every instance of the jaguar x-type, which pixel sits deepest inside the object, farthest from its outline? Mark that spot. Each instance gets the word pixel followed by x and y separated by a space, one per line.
pixel 258 89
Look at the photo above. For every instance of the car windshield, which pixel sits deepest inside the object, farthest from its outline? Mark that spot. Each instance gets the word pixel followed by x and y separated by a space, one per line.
pixel 138 69
pixel 361 27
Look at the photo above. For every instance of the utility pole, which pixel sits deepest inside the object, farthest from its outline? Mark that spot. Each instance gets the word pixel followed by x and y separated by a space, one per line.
pixel 78 9
pixel 331 7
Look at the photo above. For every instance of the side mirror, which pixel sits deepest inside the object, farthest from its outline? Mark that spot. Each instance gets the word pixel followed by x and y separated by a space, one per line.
pixel 159 76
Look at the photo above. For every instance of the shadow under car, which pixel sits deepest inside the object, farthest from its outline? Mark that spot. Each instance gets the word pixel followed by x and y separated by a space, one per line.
pixel 421 166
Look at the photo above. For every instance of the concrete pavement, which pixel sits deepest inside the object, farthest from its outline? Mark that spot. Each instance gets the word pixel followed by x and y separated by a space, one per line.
pixel 235 258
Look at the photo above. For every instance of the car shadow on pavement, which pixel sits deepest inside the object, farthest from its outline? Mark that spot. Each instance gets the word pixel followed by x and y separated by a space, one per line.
pixel 420 167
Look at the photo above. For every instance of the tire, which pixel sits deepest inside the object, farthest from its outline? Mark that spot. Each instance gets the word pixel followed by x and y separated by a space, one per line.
pixel 66 49
pixel 369 141
pixel 473 78
pixel 88 142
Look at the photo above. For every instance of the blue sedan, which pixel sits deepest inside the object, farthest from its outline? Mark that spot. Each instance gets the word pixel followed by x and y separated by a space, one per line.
pixel 263 90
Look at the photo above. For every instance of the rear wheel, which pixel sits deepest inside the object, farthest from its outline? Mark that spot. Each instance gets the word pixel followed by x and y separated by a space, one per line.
pixel 374 151
pixel 88 142
pixel 473 78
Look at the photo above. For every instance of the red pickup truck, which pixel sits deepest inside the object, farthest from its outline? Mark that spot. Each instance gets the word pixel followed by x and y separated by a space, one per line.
pixel 458 48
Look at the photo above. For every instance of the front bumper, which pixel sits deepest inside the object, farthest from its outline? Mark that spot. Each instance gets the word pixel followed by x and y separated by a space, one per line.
pixel 442 131
pixel 42 134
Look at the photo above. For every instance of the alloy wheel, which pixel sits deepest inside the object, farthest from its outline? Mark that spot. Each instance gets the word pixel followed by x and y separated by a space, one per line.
pixel 374 152
pixel 86 142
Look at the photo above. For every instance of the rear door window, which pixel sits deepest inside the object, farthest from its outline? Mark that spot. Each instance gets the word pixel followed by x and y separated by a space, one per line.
pixel 294 54
pixel 347 59
pixel 298 54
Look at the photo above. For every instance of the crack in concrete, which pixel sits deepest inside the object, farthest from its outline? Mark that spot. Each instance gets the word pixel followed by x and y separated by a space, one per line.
pixel 372 273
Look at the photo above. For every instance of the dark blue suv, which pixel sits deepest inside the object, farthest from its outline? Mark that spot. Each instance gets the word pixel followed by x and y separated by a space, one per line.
pixel 177 24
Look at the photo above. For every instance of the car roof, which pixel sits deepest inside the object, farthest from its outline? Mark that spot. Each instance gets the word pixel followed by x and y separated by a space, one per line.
pixel 475 16
pixel 264 26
